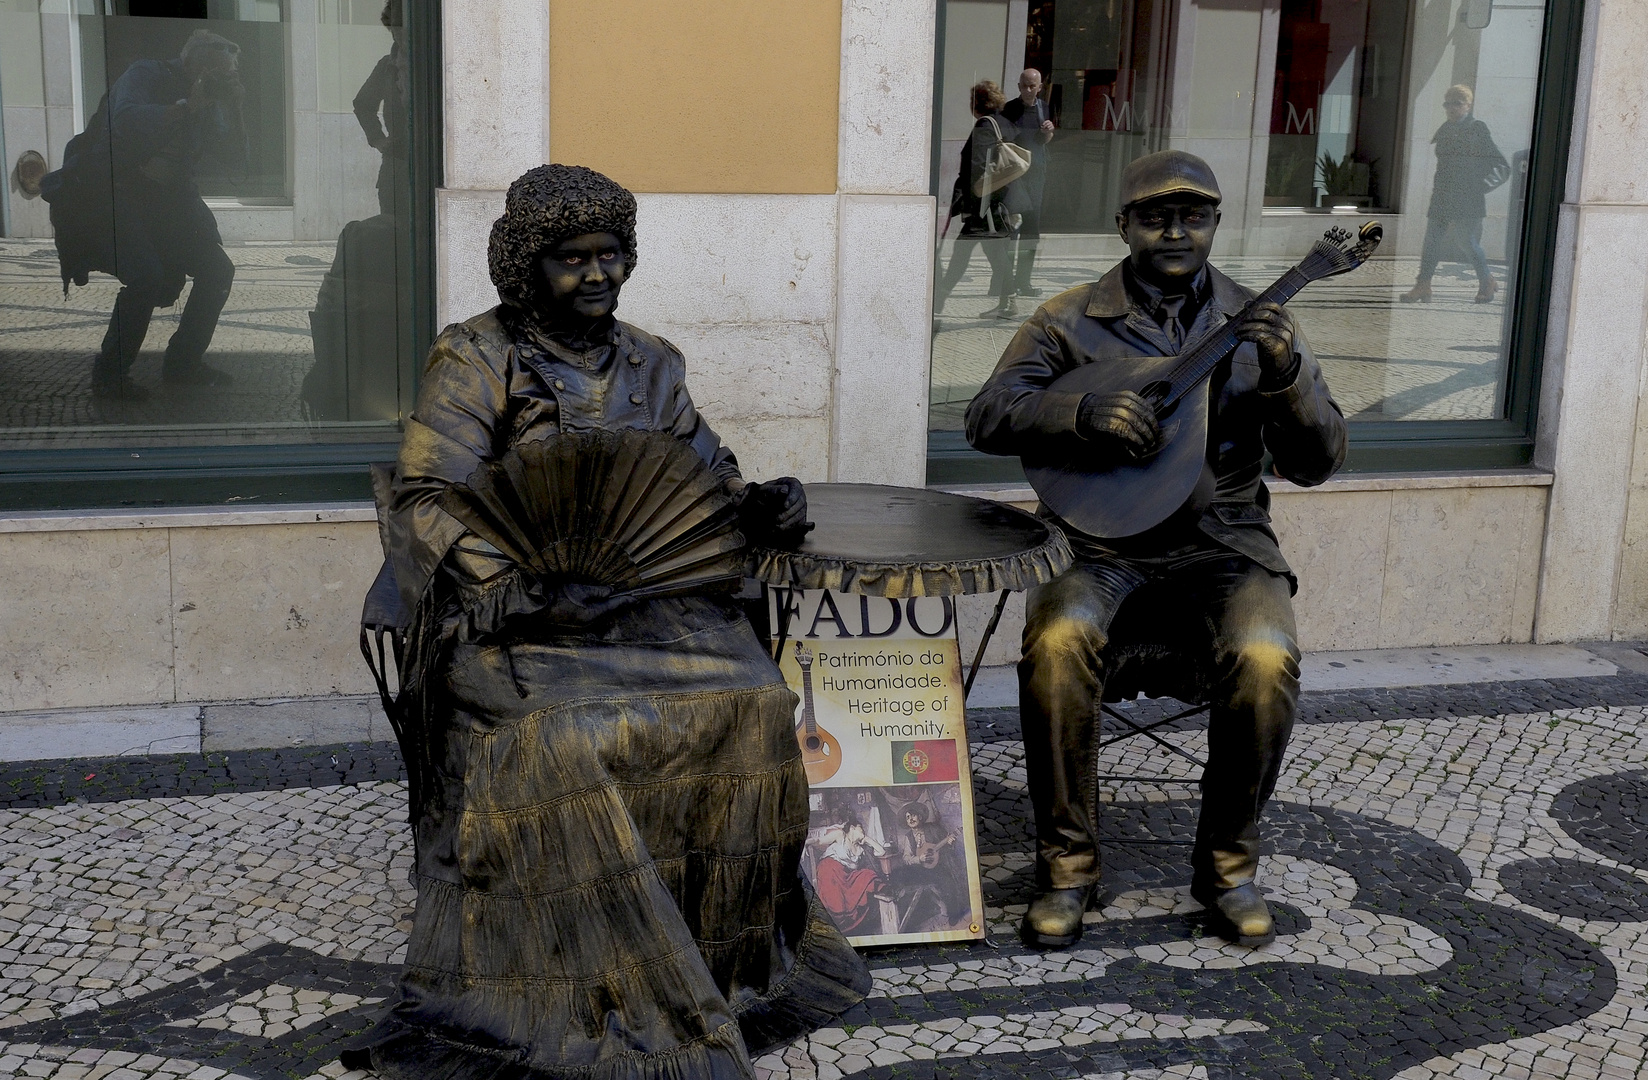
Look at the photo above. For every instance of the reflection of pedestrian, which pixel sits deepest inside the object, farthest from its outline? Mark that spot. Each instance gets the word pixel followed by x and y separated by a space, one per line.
pixel 1033 120
pixel 846 884
pixel 983 222
pixel 125 203
pixel 385 90
pixel 1468 166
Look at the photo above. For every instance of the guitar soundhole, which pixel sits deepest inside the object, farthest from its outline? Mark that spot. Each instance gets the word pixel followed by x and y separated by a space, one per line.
pixel 814 742
pixel 1156 392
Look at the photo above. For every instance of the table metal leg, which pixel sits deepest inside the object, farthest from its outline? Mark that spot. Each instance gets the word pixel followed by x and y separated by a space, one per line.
pixel 783 605
pixel 984 642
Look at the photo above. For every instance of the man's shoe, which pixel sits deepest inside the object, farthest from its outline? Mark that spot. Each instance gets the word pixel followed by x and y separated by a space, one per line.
pixel 1054 920
pixel 195 375
pixel 120 388
pixel 1485 293
pixel 1028 290
pixel 1240 914
pixel 1420 294
pixel 1004 310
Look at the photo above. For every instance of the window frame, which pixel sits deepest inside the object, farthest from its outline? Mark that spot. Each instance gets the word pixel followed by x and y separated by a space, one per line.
pixel 116 477
pixel 1415 445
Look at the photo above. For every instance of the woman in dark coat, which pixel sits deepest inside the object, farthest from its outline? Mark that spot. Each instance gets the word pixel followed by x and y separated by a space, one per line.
pixel 1468 166
pixel 987 223
pixel 608 799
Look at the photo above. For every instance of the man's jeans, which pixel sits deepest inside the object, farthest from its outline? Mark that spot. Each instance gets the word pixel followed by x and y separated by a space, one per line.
pixel 1238 620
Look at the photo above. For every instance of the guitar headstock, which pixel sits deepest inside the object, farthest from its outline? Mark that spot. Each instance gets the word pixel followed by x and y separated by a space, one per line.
pixel 802 656
pixel 1340 251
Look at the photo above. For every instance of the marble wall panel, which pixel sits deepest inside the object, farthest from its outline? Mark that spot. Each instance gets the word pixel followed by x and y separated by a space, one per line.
pixel 973 615
pixel 791 446
pixel 271 610
pixel 1591 453
pixel 1616 124
pixel 1453 562
pixel 886 96
pixel 753 370
pixel 1382 569
pixel 1630 617
pixel 1532 510
pixel 495 86
pixel 883 340
pixel 1335 542
pixel 733 259
pixel 86 619
pixel 463 224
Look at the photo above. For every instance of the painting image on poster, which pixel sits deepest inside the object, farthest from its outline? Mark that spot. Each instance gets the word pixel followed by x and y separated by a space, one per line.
pixel 891 847
pixel 890 862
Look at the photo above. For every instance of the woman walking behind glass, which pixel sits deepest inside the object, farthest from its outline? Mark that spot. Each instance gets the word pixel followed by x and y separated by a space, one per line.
pixel 1468 166
pixel 989 220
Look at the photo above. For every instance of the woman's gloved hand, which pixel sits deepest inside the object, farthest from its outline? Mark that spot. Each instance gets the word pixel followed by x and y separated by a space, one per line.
pixel 775 509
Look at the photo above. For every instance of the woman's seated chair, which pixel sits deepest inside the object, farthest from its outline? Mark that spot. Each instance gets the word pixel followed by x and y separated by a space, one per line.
pixel 384 618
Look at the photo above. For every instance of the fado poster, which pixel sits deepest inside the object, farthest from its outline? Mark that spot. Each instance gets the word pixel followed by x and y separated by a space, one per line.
pixel 891 849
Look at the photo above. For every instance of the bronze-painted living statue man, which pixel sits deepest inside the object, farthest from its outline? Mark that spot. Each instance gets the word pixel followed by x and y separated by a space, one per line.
pixel 1214 561
pixel 610 804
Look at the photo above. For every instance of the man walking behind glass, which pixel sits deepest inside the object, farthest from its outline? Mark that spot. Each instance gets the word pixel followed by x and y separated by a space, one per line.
pixel 1034 121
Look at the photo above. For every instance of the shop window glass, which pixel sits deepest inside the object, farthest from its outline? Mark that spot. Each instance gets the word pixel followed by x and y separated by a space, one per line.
pixel 1312 113
pixel 207 239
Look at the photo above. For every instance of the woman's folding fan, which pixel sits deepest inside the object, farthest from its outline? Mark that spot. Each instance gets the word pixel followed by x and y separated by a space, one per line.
pixel 638 511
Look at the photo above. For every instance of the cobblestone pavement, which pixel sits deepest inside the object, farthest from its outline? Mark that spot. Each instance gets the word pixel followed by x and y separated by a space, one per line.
pixel 1460 876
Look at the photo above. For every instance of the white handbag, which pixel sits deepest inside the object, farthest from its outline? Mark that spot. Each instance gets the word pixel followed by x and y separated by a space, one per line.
pixel 1003 163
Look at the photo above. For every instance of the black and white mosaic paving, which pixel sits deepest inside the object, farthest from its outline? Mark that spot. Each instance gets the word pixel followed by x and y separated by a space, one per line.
pixel 1460 893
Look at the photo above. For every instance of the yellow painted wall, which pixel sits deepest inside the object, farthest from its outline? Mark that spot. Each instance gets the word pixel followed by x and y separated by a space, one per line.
pixel 697 95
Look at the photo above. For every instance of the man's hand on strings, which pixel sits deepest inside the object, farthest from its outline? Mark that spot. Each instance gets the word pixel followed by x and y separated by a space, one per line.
pixel 1271 329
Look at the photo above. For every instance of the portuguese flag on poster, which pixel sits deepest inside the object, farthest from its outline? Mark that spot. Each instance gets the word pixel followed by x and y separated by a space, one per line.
pixel 925 761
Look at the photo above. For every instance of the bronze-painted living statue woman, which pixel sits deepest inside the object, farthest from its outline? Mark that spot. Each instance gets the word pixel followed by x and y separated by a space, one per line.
pixel 608 798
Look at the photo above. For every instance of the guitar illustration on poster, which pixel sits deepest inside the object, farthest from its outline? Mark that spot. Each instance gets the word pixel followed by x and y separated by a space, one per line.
pixel 820 752
pixel 891 846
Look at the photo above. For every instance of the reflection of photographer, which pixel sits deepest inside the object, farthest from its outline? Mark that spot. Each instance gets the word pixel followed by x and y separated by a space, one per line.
pixel 125 203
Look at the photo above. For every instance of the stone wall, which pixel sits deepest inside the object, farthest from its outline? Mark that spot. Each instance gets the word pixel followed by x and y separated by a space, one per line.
pixel 207 605
pixel 183 605
pixel 1594 578
pixel 804 317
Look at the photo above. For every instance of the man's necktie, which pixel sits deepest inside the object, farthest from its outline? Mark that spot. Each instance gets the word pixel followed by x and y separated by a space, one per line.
pixel 1171 306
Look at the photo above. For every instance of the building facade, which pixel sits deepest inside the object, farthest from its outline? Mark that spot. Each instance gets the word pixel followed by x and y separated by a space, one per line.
pixel 202 539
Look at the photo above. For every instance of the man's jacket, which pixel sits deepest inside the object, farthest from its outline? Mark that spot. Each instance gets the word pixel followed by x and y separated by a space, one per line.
pixel 1104 323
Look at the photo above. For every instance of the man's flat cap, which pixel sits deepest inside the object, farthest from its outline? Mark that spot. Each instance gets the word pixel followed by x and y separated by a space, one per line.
pixel 1168 172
